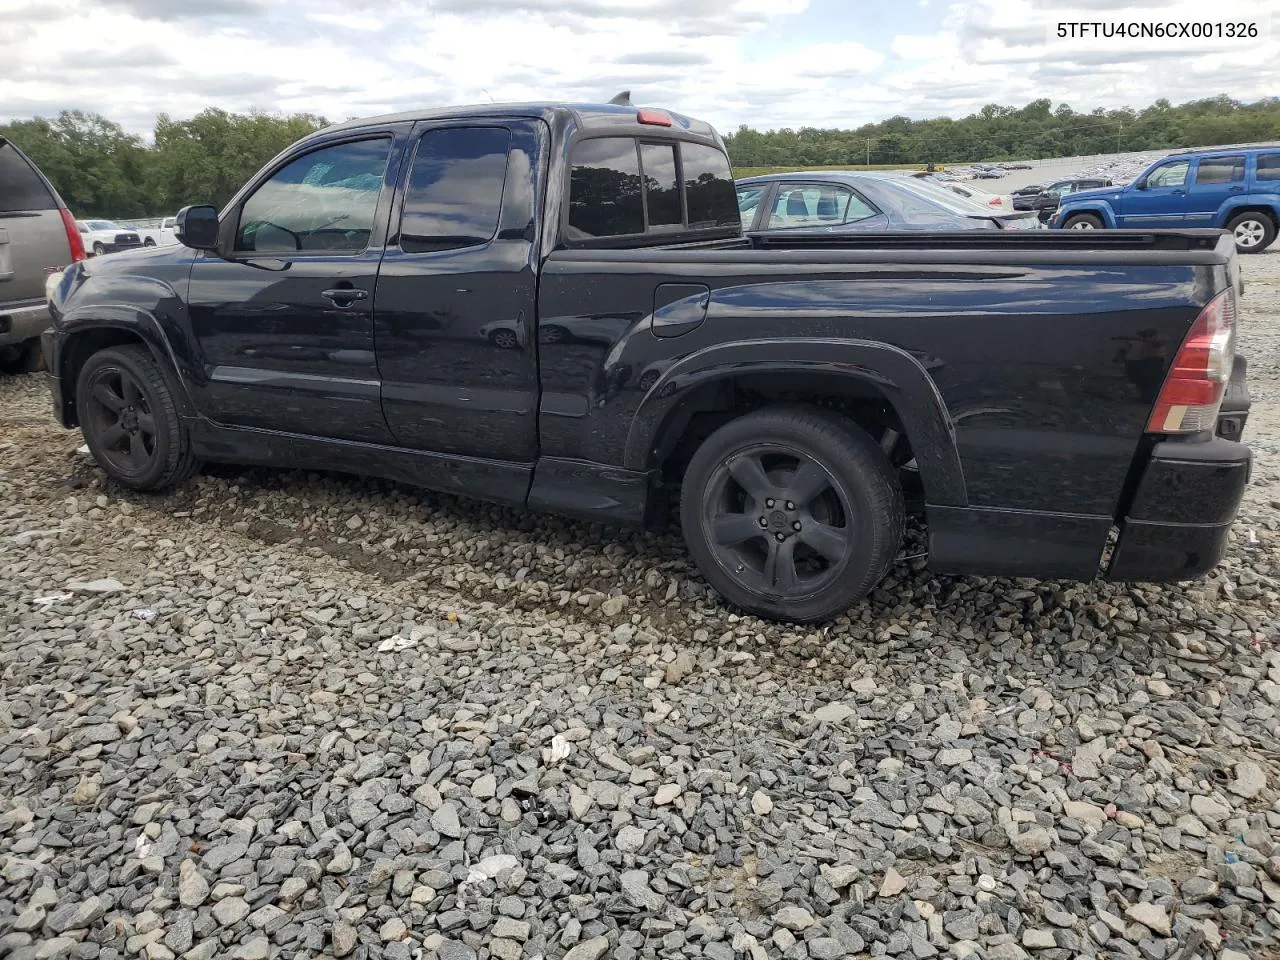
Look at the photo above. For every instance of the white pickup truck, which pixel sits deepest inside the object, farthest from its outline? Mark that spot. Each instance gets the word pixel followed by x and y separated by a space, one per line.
pixel 155 232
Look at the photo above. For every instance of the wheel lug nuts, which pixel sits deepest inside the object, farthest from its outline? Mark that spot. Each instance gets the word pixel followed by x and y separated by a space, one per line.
pixel 768 503
pixel 764 522
pixel 796 525
pixel 781 537
pixel 790 505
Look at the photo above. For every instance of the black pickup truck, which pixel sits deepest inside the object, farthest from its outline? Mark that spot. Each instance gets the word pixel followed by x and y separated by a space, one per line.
pixel 555 307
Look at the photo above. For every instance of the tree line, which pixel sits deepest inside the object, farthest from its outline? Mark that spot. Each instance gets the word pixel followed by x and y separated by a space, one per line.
pixel 103 171
pixel 1036 131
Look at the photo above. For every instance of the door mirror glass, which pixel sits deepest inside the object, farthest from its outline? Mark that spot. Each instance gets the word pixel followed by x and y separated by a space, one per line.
pixel 197 227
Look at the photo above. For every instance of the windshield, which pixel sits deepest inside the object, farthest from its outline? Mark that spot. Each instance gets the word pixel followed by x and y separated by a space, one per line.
pixel 942 197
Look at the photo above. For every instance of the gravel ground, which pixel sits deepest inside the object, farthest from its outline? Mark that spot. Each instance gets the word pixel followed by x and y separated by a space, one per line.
pixel 291 715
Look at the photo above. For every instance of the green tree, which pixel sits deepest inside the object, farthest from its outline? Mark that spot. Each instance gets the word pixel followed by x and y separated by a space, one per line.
pixel 99 170
pixel 208 158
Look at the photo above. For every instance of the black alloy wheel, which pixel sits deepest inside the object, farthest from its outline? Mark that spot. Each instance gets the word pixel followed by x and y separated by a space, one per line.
pixel 130 420
pixel 793 513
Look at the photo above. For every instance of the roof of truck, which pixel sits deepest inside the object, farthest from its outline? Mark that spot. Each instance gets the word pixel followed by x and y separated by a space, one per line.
pixel 585 115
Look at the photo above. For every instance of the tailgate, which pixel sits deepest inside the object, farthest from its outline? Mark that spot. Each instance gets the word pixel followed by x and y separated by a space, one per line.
pixel 31 242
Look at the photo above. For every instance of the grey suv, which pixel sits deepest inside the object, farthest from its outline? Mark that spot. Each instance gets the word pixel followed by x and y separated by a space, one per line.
pixel 38 236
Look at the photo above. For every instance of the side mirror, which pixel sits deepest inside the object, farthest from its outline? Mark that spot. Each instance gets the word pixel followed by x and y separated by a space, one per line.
pixel 1140 184
pixel 197 227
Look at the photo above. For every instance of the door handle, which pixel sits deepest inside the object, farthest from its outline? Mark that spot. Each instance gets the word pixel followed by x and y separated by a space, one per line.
pixel 1179 193
pixel 1235 190
pixel 347 294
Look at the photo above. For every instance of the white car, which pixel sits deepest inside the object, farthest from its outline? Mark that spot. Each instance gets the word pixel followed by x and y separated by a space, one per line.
pixel 107 236
pixel 976 195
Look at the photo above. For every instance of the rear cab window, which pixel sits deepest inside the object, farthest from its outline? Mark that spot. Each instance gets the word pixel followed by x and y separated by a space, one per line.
pixel 21 188
pixel 636 188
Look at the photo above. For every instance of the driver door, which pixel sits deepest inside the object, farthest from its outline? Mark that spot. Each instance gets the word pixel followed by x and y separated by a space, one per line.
pixel 283 322
pixel 1161 203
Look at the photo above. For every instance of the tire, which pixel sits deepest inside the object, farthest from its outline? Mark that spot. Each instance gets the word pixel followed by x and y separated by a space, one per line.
pixel 553 334
pixel 742 474
pixel 504 339
pixel 1253 232
pixel 113 418
pixel 99 249
pixel 1083 221
pixel 148 242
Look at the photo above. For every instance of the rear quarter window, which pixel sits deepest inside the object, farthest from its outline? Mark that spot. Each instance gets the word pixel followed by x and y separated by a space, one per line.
pixel 1269 166
pixel 20 186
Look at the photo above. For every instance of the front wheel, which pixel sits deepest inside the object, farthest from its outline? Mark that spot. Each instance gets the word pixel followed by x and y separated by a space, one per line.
pixel 1252 232
pixel 148 242
pixel 1083 221
pixel 130 419
pixel 99 249
pixel 792 513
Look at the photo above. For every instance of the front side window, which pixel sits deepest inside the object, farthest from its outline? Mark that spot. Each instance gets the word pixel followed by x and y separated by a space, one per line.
pixel 1269 166
pixel 324 201
pixel 454 197
pixel 1170 175
pixel 1220 170
pixel 604 189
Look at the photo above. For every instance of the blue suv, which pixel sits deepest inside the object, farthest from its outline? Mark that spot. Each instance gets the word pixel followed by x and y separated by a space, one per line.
pixel 1235 190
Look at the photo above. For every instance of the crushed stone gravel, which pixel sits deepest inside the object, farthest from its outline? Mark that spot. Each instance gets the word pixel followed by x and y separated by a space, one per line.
pixel 285 714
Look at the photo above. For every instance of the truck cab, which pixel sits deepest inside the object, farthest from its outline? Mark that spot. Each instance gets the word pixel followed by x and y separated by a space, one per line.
pixel 1234 190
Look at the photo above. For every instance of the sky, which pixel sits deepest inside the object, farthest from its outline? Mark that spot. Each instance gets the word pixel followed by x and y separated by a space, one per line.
pixel 764 63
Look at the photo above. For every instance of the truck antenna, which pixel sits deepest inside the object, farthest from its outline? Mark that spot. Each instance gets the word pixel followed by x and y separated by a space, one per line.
pixel 623 99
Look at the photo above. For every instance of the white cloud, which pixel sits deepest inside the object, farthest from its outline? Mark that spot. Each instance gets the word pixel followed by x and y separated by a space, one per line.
pixel 728 61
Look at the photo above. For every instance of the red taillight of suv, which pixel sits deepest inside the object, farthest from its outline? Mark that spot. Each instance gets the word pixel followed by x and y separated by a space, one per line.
pixel 74 239
pixel 1193 390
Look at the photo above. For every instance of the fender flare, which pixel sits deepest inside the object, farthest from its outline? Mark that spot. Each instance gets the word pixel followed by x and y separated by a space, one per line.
pixel 1233 206
pixel 899 375
pixel 140 323
pixel 1103 210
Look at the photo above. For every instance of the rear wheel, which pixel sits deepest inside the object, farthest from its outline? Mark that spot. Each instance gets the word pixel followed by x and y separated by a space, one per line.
pixel 130 419
pixel 792 513
pixel 1252 232
pixel 148 242
pixel 1083 221
pixel 99 249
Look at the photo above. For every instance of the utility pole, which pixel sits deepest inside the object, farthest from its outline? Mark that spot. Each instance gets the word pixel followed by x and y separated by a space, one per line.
pixel 868 151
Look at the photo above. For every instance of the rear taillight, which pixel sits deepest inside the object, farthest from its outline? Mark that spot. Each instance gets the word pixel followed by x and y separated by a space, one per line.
pixel 74 240
pixel 1193 390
